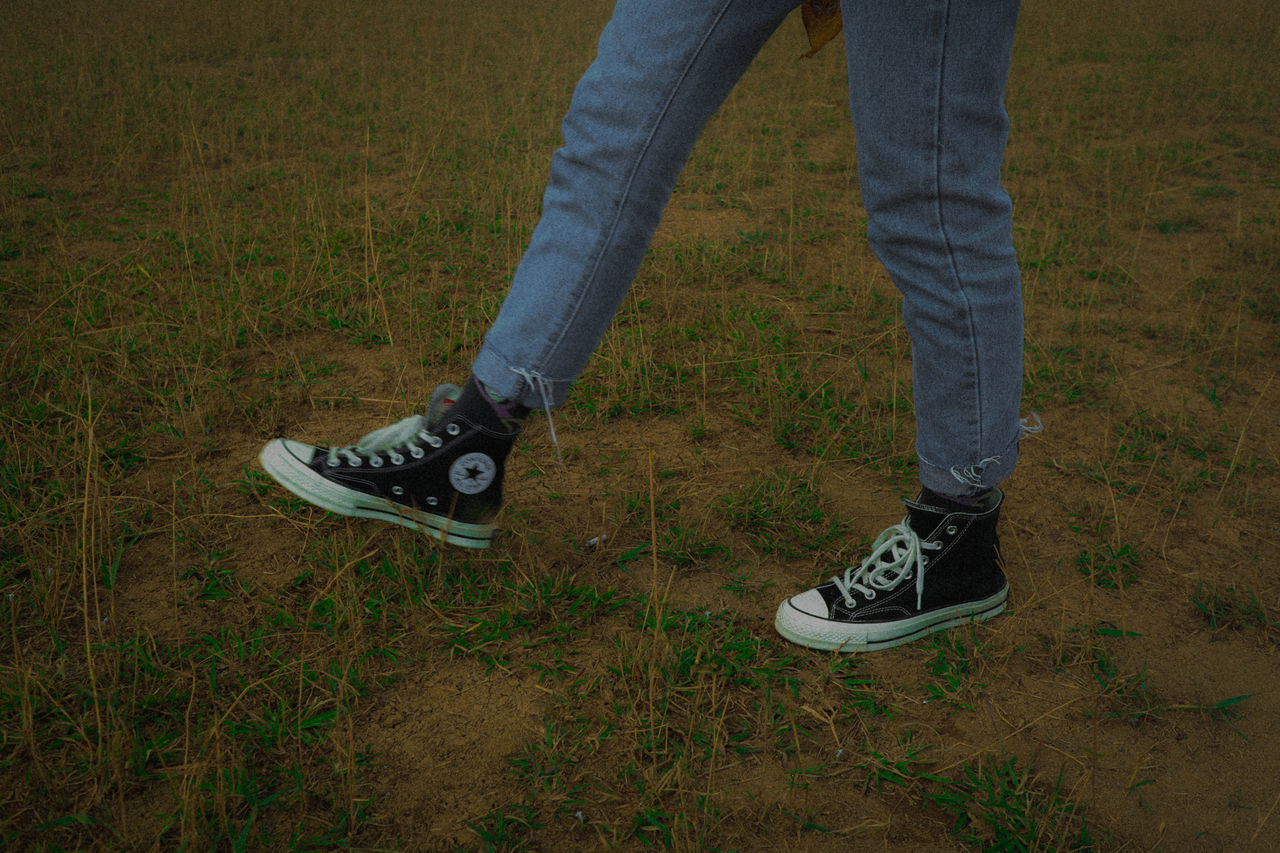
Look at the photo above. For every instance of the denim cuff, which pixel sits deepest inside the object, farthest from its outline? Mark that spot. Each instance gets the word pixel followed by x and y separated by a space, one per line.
pixel 521 384
pixel 972 479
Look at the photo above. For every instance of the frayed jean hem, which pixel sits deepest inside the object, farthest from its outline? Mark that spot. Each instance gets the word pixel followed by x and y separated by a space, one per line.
pixel 974 478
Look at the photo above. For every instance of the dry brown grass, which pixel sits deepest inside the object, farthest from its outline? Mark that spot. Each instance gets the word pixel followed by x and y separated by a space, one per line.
pixel 221 223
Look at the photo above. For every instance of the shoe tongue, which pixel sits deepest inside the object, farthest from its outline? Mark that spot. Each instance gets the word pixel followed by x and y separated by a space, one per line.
pixel 928 510
pixel 924 516
pixel 442 401
pixel 390 437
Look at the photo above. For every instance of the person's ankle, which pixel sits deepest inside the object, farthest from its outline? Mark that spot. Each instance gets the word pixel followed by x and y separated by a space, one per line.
pixel 506 409
pixel 960 503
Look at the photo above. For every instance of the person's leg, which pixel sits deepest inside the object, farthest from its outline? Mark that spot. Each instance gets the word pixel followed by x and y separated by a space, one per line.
pixel 663 68
pixel 926 82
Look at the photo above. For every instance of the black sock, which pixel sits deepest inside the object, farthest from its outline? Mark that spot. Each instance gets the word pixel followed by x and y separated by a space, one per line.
pixel 505 409
pixel 961 503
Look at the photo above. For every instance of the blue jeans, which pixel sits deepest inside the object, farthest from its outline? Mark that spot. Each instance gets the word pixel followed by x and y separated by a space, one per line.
pixel 926 89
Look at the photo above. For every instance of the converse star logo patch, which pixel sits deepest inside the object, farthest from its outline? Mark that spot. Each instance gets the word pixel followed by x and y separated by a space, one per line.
pixel 472 473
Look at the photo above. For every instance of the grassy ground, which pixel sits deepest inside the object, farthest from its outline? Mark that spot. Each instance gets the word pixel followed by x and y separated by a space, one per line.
pixel 220 224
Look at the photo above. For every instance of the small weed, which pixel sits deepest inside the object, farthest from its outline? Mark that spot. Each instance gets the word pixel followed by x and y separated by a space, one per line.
pixel 903 768
pixel 654 827
pixel 742 583
pixel 1178 226
pixel 1127 695
pixel 1229 607
pixel 508 827
pixel 998 806
pixel 1110 566
pixel 782 514
pixel 953 664
pixel 254 482
pixel 684 547
pixel 510 615
pixel 1214 191
pixel 217 580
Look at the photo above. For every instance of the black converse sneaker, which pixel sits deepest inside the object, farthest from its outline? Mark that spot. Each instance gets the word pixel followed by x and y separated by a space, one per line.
pixel 940 567
pixel 440 473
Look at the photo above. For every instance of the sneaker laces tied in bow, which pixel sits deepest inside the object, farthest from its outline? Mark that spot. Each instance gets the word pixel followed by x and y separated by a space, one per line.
pixel 897 553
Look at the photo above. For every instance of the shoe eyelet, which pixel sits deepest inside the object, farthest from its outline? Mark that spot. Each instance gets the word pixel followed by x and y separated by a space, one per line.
pixel 332 463
pixel 396 459
pixel 434 440
pixel 417 452
pixel 871 593
pixel 432 501
pixel 356 463
pixel 397 490
pixel 951 530
pixel 453 429
pixel 375 461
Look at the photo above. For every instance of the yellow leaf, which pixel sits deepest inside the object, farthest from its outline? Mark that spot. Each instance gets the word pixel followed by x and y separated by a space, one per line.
pixel 822 22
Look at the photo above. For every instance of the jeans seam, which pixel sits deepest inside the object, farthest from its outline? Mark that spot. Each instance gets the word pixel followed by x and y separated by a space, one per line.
pixel 942 220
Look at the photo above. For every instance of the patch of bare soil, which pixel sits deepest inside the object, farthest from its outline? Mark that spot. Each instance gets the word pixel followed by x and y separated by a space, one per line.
pixel 200 660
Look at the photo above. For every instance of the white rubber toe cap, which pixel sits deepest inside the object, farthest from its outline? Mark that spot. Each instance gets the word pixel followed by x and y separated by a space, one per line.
pixel 296 449
pixel 810 603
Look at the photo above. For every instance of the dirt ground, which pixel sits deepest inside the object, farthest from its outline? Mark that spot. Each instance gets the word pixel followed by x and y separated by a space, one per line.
pixel 225 228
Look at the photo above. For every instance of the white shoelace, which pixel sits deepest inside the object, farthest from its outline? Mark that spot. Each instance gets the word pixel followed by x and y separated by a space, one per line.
pixel 389 440
pixel 896 556
pixel 540 382
pixel 401 434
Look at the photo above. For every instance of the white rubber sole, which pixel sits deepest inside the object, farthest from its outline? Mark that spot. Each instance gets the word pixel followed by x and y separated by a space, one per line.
pixel 283 460
pixel 816 632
